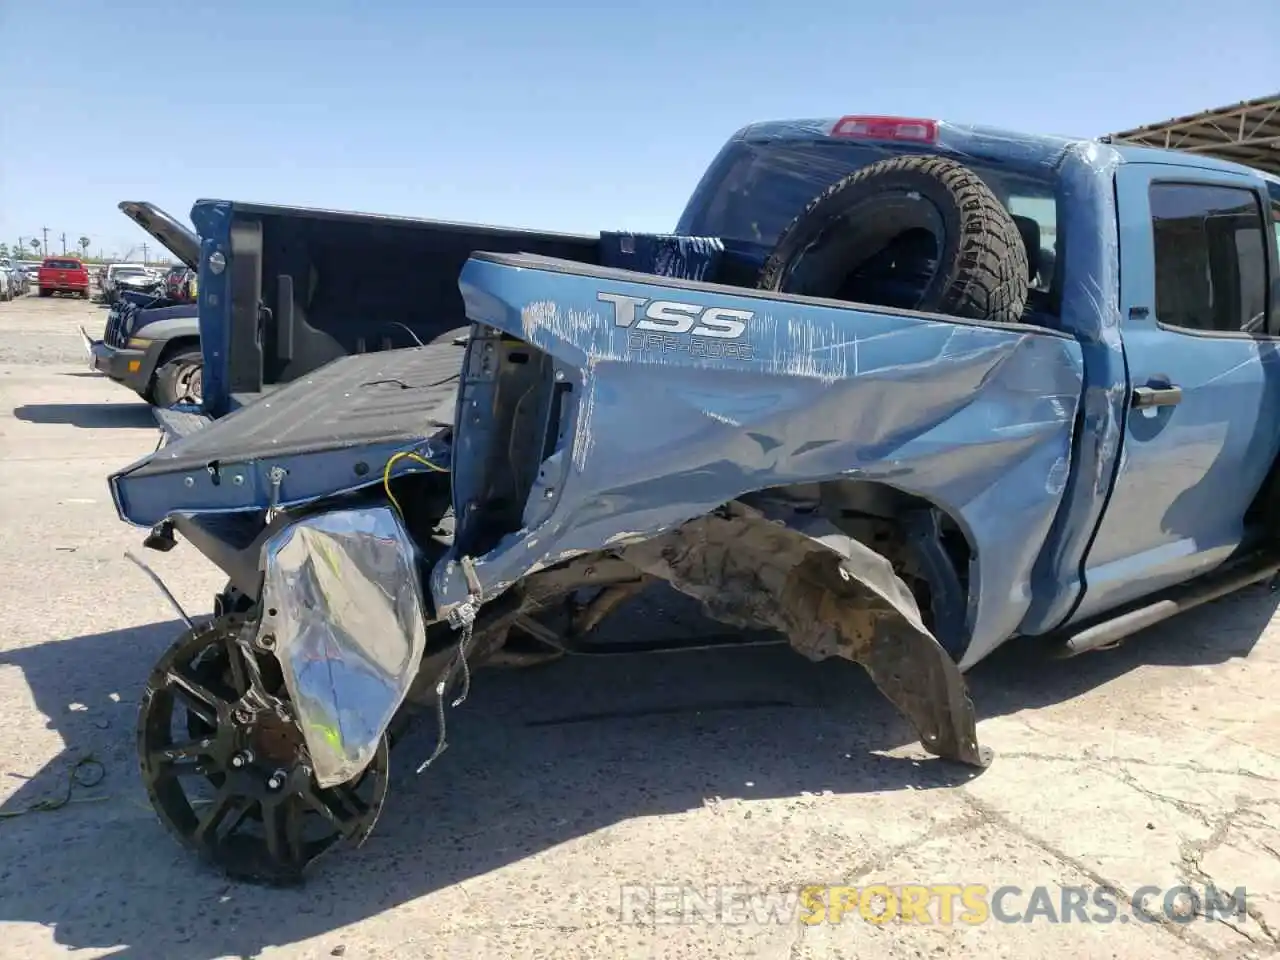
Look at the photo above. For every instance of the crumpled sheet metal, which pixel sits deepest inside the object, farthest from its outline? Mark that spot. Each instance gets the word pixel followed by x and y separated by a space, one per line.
pixel 1080 174
pixel 764 564
pixel 342 598
pixel 974 418
pixel 1091 313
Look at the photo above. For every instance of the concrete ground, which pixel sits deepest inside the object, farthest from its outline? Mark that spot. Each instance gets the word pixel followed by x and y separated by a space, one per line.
pixel 575 797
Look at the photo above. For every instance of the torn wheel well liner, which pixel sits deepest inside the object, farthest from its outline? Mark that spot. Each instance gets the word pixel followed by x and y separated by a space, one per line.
pixel 775 562
pixel 930 548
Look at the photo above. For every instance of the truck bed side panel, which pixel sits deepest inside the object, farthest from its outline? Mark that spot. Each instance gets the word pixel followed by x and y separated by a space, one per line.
pixel 975 418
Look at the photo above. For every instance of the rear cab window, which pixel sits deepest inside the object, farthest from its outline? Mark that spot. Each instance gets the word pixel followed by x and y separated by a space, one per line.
pixel 755 188
pixel 53 264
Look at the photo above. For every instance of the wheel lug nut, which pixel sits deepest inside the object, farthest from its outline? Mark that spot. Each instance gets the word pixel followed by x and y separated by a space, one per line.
pixel 276 780
pixel 241 759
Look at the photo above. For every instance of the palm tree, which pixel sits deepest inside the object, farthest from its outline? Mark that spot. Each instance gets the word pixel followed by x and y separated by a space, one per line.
pixel 35 244
pixel 84 245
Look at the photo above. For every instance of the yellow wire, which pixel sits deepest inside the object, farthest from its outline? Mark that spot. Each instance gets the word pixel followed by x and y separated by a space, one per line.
pixel 391 462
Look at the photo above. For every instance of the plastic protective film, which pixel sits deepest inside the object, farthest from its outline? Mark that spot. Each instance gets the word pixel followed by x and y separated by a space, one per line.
pixel 342 599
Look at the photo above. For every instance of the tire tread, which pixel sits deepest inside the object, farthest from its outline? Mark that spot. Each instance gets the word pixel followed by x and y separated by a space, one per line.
pixel 988 277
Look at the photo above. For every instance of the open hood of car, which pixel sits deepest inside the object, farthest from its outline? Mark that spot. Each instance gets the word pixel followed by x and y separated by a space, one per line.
pixel 178 238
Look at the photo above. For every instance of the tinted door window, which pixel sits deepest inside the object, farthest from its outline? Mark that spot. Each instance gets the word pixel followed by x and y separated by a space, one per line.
pixel 1211 270
pixel 1274 190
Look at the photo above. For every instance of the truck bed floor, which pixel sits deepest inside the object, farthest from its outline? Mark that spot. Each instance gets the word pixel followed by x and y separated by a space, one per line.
pixel 373 398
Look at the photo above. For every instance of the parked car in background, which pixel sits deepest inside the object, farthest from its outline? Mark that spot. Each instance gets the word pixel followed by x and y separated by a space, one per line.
pixel 123 276
pixel 6 286
pixel 151 343
pixel 63 275
pixel 143 281
pixel 18 284
pixel 180 284
pixel 32 270
pixel 173 281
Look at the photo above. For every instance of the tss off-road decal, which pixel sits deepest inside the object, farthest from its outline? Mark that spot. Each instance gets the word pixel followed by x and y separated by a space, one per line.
pixel 667 326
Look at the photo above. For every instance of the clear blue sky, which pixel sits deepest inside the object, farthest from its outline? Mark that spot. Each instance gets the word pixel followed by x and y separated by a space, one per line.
pixel 563 115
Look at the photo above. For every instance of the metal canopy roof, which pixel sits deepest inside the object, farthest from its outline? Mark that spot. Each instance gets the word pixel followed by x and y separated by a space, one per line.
pixel 1247 132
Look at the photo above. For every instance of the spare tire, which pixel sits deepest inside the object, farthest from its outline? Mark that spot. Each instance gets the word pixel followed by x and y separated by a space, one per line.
pixel 916 232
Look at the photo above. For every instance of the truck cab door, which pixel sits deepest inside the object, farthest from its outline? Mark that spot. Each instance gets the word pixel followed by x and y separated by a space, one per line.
pixel 1197 266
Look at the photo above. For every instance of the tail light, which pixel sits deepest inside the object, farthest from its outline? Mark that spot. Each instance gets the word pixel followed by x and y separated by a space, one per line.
pixel 906 129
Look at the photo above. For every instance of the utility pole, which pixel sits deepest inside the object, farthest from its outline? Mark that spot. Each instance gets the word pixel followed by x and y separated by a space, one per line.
pixel 64 244
pixel 44 246
pixel 144 254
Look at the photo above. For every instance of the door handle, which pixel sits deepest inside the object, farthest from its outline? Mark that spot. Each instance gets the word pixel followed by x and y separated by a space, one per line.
pixel 1145 397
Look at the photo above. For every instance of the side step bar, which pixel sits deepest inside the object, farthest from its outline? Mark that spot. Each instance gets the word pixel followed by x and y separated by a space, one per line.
pixel 1227 579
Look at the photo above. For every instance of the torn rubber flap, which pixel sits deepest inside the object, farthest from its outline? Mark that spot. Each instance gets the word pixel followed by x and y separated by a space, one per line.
pixel 767 564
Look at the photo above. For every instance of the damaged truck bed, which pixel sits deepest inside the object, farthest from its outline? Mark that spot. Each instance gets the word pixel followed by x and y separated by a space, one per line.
pixel 322 433
pixel 898 390
pixel 779 486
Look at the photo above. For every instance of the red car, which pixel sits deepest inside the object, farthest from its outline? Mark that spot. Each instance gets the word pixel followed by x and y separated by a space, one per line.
pixel 180 284
pixel 63 275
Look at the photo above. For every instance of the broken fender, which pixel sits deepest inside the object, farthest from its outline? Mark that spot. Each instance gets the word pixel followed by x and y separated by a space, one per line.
pixel 768 565
pixel 578 433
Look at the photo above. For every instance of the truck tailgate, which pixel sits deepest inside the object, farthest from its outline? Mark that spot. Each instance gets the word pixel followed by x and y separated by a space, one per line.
pixel 301 287
pixel 379 402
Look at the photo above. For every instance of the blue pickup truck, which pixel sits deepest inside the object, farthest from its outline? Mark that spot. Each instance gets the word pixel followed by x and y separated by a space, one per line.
pixel 898 390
